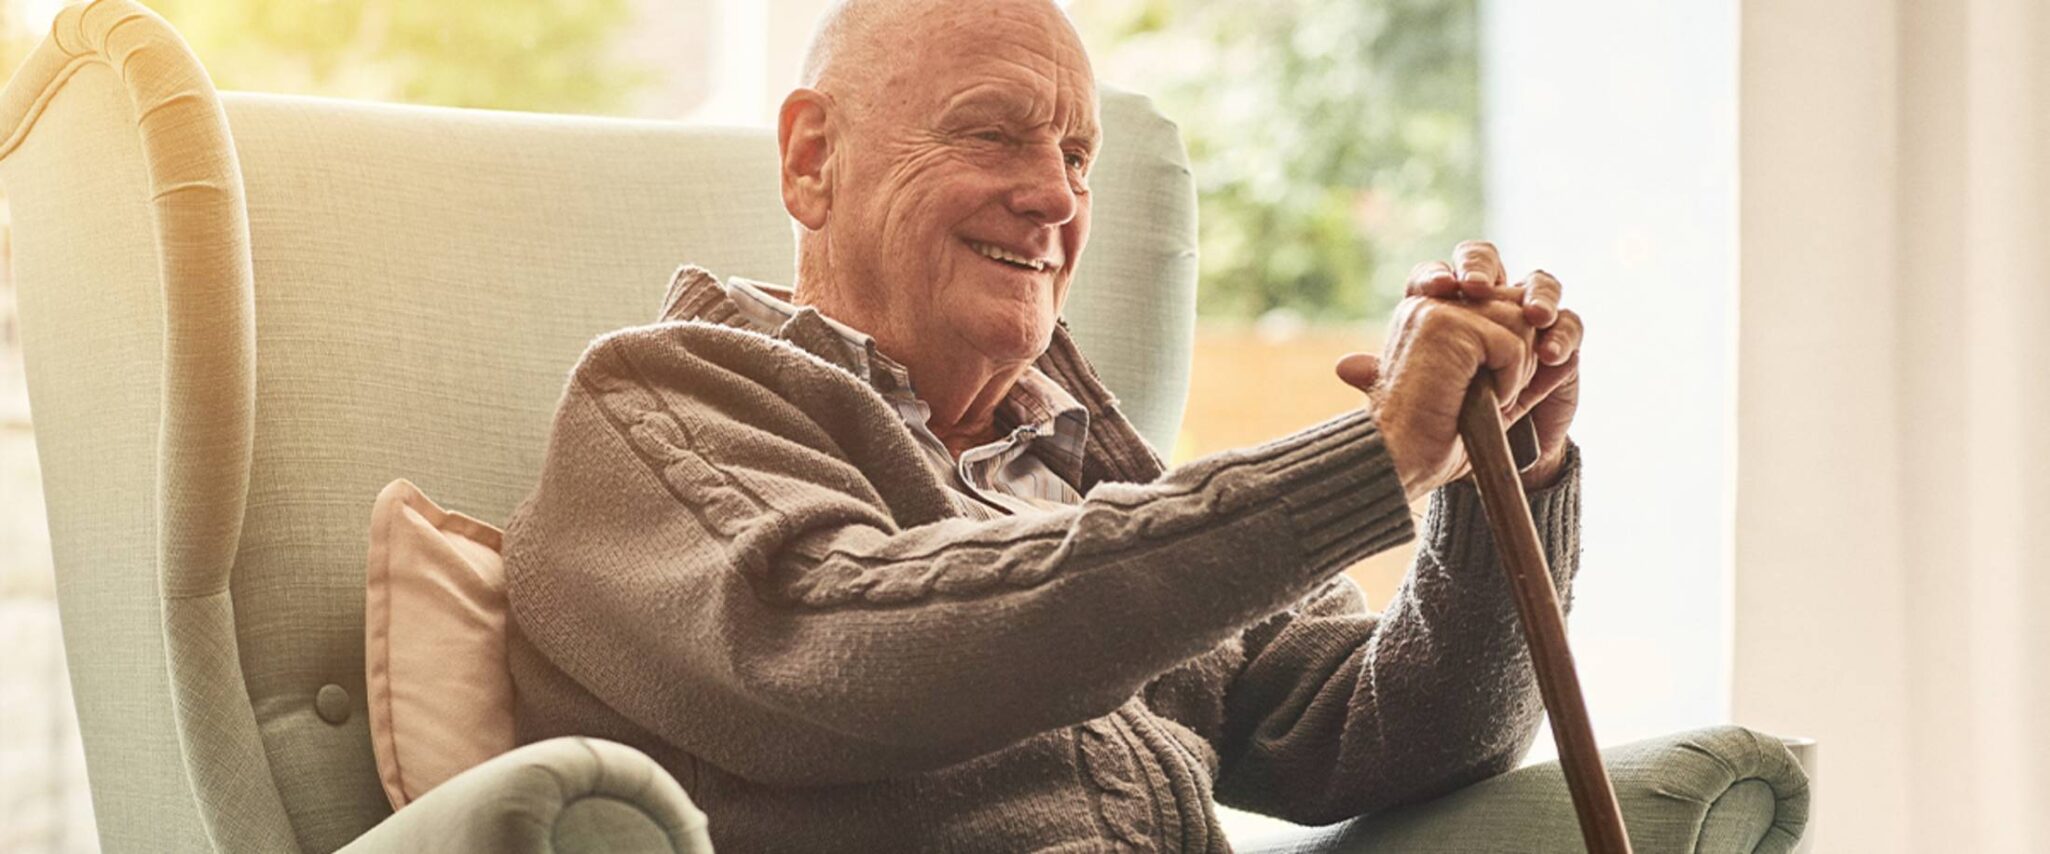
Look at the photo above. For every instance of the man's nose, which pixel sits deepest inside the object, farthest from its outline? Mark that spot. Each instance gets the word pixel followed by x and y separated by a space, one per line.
pixel 1044 193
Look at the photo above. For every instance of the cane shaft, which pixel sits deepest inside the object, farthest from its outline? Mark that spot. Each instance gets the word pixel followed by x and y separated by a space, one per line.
pixel 1544 627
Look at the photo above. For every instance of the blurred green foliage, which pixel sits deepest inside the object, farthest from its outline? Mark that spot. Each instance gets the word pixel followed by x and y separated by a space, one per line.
pixel 543 55
pixel 1335 142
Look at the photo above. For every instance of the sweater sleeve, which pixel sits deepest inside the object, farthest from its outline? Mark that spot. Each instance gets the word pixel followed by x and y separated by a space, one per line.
pixel 702 555
pixel 1337 712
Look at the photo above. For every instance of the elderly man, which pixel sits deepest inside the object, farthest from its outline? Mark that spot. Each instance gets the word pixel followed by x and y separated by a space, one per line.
pixel 876 564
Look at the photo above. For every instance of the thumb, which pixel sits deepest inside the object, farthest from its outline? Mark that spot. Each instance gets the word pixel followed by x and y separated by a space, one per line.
pixel 1360 370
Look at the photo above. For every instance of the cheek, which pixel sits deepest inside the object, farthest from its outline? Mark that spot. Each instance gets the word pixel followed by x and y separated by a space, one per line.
pixel 891 202
pixel 924 188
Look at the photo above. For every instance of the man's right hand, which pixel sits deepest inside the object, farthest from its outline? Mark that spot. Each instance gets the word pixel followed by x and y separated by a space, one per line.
pixel 1418 384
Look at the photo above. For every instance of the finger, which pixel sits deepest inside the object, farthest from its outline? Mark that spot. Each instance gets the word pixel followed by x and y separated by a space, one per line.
pixel 1479 267
pixel 1540 298
pixel 1512 294
pixel 1543 384
pixel 1562 340
pixel 1403 318
pixel 1506 313
pixel 1508 316
pixel 1360 370
pixel 1504 354
pixel 1432 279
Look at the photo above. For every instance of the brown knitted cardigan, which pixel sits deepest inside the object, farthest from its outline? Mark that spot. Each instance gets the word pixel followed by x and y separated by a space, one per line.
pixel 738 561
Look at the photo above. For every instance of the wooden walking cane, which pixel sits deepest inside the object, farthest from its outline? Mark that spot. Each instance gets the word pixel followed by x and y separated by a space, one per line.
pixel 1544 626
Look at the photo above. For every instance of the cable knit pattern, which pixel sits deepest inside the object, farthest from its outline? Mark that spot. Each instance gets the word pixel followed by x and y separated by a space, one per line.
pixel 1121 802
pixel 737 560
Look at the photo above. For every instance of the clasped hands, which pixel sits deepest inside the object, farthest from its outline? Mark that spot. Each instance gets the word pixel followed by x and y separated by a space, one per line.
pixel 1455 319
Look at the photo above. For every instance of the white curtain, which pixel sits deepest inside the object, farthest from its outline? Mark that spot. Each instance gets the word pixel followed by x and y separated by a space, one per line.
pixel 1892 542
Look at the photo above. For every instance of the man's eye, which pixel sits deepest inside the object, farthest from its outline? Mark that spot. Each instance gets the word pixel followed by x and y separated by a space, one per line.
pixel 990 136
pixel 1077 161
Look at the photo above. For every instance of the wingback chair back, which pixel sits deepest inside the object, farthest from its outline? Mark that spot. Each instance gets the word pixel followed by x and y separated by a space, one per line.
pixel 243 314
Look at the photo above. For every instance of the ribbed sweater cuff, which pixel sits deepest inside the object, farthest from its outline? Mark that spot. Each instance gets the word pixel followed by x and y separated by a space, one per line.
pixel 1341 493
pixel 1456 528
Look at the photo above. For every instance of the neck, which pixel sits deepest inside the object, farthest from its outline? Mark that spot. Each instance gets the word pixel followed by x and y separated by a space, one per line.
pixel 963 395
pixel 960 386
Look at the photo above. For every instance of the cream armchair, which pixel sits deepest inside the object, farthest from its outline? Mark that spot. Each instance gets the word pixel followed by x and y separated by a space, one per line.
pixel 243 314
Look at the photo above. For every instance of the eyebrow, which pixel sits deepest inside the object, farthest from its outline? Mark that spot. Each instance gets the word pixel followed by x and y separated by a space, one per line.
pixel 1009 102
pixel 986 99
pixel 1087 133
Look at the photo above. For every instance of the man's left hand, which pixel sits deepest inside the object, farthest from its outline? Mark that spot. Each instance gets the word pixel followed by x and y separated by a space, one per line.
pixel 1553 394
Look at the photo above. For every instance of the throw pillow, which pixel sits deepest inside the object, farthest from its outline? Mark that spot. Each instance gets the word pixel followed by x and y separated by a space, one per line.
pixel 439 688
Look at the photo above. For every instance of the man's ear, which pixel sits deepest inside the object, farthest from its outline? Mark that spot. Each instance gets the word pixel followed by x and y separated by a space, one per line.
pixel 805 140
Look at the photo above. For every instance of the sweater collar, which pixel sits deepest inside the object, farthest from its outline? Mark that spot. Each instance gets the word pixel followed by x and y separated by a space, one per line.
pixel 1035 402
pixel 1114 450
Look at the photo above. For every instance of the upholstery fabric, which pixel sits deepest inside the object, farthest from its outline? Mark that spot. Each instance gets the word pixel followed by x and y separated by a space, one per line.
pixel 562 795
pixel 122 179
pixel 440 696
pixel 1720 790
pixel 105 551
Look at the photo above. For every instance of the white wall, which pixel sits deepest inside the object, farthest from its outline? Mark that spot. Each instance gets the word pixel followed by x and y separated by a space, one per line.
pixel 1610 134
pixel 1893 475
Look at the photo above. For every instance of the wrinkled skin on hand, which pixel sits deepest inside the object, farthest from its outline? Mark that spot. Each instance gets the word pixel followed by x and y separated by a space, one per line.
pixel 1549 386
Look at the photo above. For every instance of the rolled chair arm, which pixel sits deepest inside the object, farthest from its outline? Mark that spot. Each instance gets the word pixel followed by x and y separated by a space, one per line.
pixel 562 795
pixel 1720 790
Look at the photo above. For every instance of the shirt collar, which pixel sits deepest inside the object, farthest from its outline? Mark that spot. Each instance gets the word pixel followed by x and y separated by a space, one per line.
pixel 1035 401
pixel 767 307
pixel 1060 421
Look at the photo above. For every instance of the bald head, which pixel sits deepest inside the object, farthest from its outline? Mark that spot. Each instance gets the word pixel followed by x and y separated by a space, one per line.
pixel 860 46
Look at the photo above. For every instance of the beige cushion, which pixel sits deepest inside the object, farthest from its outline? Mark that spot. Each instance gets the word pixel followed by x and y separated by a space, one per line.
pixel 434 653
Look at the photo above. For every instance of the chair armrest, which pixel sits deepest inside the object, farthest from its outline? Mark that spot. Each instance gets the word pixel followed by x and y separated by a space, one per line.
pixel 561 795
pixel 1709 791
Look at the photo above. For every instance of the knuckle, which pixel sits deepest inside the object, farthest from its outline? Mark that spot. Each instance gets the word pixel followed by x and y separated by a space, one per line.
pixel 1507 313
pixel 1541 283
pixel 1406 312
pixel 1431 316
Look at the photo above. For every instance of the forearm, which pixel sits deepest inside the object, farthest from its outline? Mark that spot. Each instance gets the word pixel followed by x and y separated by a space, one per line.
pixel 1341 714
pixel 1461 597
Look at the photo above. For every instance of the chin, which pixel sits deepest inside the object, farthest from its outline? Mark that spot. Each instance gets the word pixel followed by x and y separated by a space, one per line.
pixel 1006 342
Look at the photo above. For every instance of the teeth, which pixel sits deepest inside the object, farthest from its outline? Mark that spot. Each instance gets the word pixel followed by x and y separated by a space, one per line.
pixel 999 254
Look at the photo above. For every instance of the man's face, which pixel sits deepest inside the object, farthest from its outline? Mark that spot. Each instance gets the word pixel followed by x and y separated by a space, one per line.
pixel 962 208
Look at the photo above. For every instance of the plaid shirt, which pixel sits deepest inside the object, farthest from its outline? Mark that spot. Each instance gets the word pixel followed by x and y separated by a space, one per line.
pixel 1032 466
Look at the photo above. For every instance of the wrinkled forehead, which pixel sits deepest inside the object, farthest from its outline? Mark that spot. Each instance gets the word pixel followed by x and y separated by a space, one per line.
pixel 1022 60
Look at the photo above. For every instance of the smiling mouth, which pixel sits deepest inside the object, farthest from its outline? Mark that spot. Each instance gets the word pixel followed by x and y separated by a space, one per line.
pixel 1007 257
